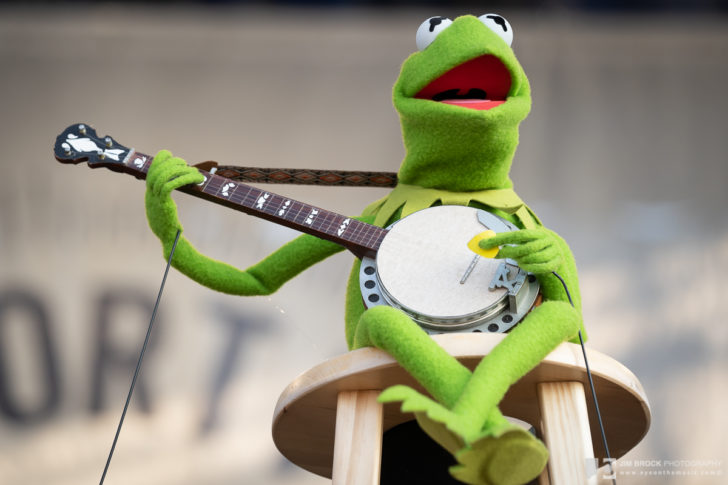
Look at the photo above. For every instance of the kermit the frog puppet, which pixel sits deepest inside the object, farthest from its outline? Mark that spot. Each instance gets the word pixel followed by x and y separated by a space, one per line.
pixel 460 101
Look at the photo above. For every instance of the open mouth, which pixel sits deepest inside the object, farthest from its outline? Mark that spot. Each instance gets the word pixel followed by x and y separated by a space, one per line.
pixel 481 83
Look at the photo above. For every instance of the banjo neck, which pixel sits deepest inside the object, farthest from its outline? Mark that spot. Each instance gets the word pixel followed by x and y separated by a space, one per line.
pixel 80 143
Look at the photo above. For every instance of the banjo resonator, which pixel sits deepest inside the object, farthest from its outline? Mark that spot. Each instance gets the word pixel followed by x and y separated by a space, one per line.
pixel 425 268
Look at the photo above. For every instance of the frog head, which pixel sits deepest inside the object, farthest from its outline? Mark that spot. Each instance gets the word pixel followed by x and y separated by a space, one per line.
pixel 460 101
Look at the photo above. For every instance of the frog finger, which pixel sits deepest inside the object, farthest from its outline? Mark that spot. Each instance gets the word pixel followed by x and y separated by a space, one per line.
pixel 159 170
pixel 159 159
pixel 542 262
pixel 551 252
pixel 162 159
pixel 540 268
pixel 497 240
pixel 157 173
pixel 517 252
pixel 167 179
pixel 521 236
pixel 160 177
pixel 186 178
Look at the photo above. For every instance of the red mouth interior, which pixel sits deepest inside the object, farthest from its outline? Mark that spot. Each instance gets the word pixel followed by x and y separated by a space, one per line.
pixel 481 83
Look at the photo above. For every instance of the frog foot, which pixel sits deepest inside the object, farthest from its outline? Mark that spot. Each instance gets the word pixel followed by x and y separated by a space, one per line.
pixel 448 429
pixel 502 455
pixel 508 456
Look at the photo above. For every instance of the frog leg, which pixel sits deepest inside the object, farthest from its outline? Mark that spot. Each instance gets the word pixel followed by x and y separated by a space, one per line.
pixel 489 449
pixel 509 455
pixel 543 329
pixel 397 334
pixel 437 371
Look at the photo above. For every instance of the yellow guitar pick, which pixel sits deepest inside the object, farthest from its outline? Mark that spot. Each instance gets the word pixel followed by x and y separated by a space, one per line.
pixel 474 246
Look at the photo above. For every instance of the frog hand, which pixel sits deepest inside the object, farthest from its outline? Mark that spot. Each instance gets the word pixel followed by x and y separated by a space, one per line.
pixel 506 456
pixel 538 251
pixel 166 174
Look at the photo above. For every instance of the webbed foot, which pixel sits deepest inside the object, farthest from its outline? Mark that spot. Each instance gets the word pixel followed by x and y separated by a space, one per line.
pixel 504 454
pixel 509 456
pixel 448 429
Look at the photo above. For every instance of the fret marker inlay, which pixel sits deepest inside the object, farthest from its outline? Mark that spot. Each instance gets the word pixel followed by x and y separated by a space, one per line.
pixel 262 200
pixel 311 217
pixel 226 188
pixel 284 208
pixel 343 226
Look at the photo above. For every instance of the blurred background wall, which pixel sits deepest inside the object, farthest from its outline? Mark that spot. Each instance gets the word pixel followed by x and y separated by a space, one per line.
pixel 624 154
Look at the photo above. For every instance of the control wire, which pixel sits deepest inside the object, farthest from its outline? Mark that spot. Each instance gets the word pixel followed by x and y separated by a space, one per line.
pixel 591 385
pixel 139 362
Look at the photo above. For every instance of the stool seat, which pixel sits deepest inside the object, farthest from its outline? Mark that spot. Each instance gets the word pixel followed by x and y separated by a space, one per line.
pixel 304 421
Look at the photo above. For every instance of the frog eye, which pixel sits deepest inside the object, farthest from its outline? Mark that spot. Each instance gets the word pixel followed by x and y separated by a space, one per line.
pixel 499 25
pixel 429 29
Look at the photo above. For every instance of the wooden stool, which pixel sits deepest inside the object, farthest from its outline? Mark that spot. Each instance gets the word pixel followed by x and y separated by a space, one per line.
pixel 328 421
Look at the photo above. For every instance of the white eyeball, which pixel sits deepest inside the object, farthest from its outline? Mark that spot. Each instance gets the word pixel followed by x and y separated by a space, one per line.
pixel 429 29
pixel 499 25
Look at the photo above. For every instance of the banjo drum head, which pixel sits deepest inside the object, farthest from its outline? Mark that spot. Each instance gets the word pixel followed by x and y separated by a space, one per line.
pixel 422 261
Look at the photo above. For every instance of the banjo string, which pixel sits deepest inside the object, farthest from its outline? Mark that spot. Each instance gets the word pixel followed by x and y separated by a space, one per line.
pixel 141 357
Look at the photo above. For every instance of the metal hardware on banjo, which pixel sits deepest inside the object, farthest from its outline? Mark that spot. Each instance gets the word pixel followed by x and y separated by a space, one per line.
pixel 421 264
pixel 420 267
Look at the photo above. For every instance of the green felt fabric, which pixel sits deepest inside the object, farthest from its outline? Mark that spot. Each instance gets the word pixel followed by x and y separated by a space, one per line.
pixel 510 457
pixel 390 329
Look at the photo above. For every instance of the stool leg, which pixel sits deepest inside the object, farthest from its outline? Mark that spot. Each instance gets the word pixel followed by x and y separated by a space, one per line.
pixel 358 439
pixel 566 431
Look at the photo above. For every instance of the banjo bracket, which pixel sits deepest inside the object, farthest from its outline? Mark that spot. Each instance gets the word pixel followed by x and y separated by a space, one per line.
pixel 511 277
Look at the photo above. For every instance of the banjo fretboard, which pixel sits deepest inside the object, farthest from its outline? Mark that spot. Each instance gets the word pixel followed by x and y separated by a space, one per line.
pixel 80 143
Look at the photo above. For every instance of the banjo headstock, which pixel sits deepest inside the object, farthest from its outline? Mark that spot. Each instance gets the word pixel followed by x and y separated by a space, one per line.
pixel 80 143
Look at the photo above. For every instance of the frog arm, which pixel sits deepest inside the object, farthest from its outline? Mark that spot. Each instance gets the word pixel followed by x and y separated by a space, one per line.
pixel 263 278
pixel 168 173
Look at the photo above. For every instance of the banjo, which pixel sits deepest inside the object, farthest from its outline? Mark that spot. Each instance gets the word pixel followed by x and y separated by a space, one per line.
pixel 426 264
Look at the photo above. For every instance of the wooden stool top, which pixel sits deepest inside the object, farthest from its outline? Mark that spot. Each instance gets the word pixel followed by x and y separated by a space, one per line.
pixel 305 415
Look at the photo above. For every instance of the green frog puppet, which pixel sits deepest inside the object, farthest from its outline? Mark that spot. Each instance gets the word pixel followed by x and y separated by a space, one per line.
pixel 460 99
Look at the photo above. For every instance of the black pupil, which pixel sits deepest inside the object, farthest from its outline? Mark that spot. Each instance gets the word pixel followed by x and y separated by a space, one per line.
pixel 434 22
pixel 495 18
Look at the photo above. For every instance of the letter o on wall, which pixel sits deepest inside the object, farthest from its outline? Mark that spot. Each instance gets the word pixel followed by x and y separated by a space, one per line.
pixel 40 346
